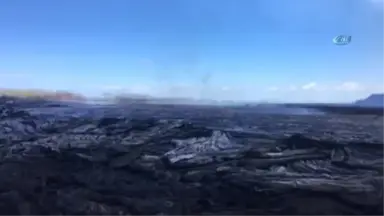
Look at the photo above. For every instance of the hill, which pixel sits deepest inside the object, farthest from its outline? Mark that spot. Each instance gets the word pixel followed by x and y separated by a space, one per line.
pixel 374 100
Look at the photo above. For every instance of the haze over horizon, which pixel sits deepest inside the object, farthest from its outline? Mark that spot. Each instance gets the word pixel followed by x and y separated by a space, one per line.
pixel 250 50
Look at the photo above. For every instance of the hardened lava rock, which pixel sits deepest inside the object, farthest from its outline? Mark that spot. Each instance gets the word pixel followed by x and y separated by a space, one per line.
pixel 153 159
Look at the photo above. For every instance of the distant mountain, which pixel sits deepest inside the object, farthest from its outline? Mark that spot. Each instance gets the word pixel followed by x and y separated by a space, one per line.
pixel 374 100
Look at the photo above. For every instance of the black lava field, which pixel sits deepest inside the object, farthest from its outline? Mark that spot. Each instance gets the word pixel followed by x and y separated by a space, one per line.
pixel 178 159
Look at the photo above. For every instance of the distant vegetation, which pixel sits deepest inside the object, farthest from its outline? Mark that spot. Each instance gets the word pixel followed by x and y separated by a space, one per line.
pixel 42 94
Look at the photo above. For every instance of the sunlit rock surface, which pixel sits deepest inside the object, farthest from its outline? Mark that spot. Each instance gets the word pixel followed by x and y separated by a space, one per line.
pixel 159 159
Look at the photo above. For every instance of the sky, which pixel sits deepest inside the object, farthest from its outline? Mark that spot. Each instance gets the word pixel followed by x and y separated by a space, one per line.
pixel 253 50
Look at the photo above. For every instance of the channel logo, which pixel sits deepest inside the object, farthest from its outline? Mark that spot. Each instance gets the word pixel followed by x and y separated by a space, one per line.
pixel 342 40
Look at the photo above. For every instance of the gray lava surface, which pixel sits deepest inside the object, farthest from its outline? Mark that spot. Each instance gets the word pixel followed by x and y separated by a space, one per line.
pixel 163 159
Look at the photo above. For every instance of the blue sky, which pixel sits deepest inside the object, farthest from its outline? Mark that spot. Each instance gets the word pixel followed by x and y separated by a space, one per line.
pixel 278 50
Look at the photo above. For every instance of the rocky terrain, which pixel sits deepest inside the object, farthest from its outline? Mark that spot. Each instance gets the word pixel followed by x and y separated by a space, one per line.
pixel 164 159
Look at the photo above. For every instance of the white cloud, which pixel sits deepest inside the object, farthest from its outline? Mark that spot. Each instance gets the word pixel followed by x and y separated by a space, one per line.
pixel 273 88
pixel 292 88
pixel 311 85
pixel 111 87
pixel 350 86
pixel 225 88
